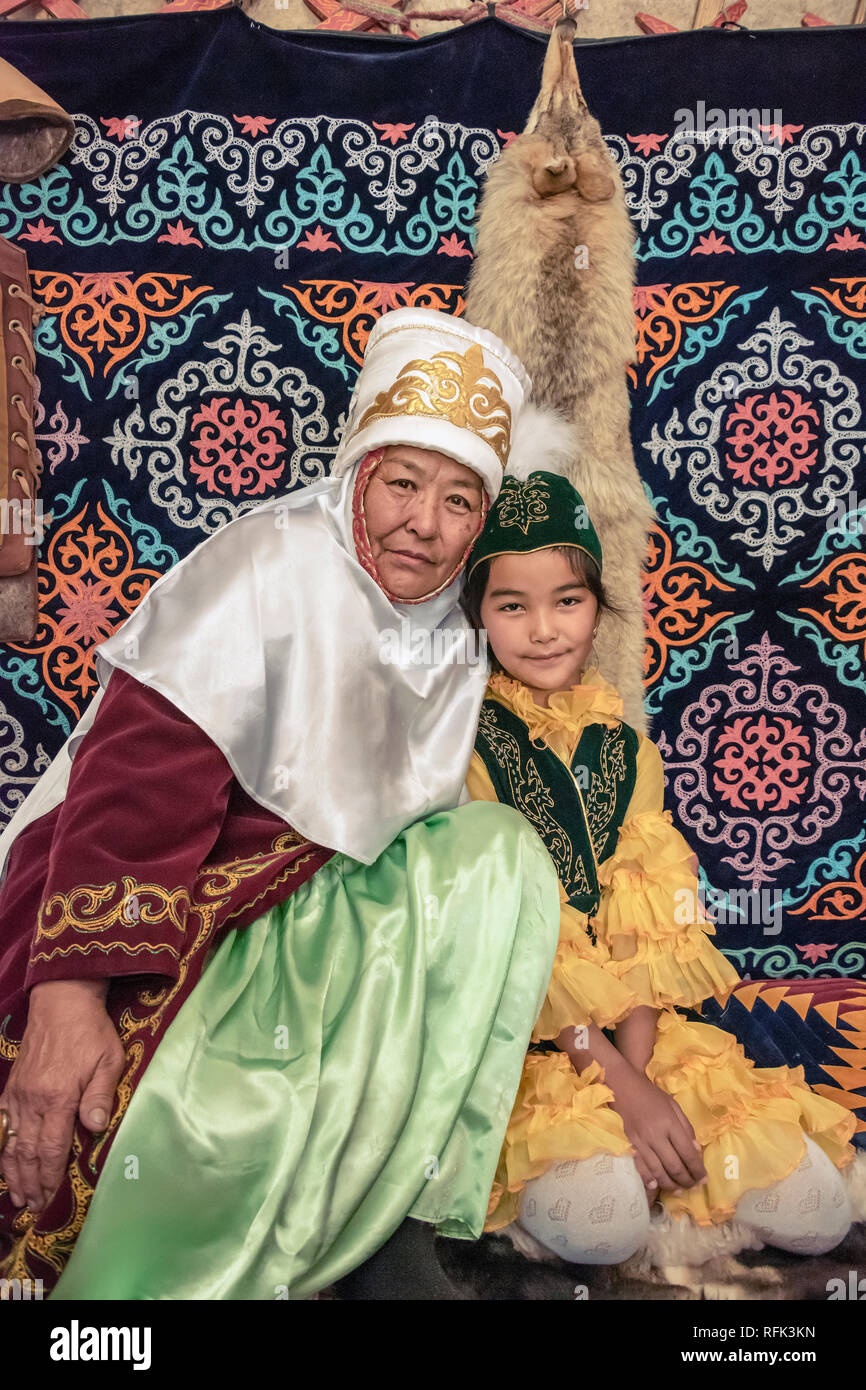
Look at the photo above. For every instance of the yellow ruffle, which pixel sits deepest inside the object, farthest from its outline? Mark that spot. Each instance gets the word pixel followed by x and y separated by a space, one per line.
pixel 665 961
pixel 557 1114
pixel 593 701
pixel 750 1121
pixel 581 990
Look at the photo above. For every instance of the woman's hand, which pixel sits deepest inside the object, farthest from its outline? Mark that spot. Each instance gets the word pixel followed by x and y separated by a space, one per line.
pixel 667 1154
pixel 68 1065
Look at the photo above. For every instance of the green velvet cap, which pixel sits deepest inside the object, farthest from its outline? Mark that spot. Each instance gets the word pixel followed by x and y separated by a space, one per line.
pixel 535 513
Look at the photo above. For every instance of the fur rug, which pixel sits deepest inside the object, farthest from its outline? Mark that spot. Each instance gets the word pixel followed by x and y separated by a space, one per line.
pixel 679 1263
pixel 492 1269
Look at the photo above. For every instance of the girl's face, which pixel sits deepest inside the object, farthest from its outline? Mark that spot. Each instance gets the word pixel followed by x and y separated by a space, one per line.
pixel 539 619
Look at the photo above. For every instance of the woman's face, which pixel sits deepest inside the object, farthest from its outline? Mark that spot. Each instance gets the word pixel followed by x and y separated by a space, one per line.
pixel 539 619
pixel 422 510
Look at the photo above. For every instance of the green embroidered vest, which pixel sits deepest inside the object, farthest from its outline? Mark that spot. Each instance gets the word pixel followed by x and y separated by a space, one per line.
pixel 578 811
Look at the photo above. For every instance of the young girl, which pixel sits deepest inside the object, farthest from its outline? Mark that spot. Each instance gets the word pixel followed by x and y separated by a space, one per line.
pixel 623 1101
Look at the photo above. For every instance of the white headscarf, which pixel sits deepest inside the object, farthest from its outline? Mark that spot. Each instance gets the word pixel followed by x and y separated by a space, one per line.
pixel 348 715
pixel 281 647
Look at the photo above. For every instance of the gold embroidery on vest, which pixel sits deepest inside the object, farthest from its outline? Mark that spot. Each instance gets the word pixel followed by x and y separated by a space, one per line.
pixel 603 790
pixel 533 800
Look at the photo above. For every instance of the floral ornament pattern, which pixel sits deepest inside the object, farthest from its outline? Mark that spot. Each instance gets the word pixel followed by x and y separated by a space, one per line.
pixel 352 307
pixel 60 442
pixel 89 582
pixel 772 438
pixel 840 900
pixel 742 185
pixel 255 188
pixel 237 446
pixel 105 316
pixel 268 191
pixel 18 769
pixel 844 604
pixel 192 417
pixel 677 324
pixel 768 434
pixel 843 309
pixel 679 603
pixel 763 764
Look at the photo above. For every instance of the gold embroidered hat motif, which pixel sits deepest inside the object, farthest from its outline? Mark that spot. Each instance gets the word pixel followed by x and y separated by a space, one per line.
pixel 536 513
pixel 436 382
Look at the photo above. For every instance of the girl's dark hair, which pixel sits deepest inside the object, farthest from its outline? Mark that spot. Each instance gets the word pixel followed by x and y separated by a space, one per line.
pixel 583 567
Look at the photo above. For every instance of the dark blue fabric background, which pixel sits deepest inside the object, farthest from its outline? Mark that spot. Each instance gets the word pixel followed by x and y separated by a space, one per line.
pixel 212 277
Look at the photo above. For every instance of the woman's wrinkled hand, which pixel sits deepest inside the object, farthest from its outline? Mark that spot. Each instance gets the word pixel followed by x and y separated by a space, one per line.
pixel 667 1154
pixel 68 1065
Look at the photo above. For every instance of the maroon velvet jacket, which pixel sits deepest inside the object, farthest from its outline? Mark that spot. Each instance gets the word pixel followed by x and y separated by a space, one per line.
pixel 155 853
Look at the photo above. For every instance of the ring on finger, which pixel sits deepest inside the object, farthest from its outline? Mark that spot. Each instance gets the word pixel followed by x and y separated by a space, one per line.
pixel 6 1130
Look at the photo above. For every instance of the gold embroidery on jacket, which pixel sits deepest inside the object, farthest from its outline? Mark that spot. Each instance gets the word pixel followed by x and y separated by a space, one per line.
pixel 126 904
pixel 214 881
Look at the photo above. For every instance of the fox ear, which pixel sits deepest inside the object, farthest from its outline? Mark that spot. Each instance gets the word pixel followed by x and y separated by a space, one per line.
pixel 542 438
pixel 594 182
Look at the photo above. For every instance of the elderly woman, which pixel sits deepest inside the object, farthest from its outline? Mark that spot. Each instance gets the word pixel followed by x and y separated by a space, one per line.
pixel 264 992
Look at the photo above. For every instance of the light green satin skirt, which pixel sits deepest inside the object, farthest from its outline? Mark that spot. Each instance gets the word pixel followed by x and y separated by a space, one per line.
pixel 348 1060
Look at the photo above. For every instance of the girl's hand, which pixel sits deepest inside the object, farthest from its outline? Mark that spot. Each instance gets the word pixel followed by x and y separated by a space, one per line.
pixel 667 1154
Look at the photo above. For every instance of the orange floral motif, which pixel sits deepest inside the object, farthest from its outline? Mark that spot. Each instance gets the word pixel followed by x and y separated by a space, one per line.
pixel 813 951
pixel 843 900
pixel 710 245
pixel 120 126
pixel 179 235
pixel 781 134
pixel 762 762
pixel 255 125
pixel 355 305
pixel 106 315
pixel 88 585
pixel 237 445
pixel 662 313
pixel 678 603
pixel 851 298
pixel 847 600
pixel 40 231
pixel 453 246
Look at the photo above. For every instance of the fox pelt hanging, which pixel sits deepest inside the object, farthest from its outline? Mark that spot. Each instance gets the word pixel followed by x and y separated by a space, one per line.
pixel 552 276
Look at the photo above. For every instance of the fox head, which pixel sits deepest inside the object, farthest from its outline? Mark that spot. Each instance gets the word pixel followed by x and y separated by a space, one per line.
pixel 578 157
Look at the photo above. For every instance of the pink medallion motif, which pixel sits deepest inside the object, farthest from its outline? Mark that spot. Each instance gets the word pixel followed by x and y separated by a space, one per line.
pixel 772 438
pixel 237 446
pixel 764 763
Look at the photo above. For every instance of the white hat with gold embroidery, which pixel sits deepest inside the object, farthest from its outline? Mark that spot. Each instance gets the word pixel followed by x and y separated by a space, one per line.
pixel 437 382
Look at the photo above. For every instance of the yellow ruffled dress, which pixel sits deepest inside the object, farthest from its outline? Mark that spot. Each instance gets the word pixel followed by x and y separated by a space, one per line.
pixel 644 955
